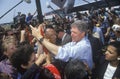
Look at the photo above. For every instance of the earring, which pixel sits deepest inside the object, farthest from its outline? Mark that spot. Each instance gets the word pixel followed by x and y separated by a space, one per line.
pixel 118 58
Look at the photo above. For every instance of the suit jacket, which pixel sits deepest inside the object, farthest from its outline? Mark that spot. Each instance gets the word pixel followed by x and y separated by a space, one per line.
pixel 100 71
pixel 66 39
pixel 96 47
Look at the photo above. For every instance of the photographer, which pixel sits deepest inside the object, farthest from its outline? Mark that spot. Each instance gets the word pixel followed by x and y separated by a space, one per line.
pixel 19 21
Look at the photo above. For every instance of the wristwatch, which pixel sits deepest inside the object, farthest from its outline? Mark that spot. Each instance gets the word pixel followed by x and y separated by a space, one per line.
pixel 41 40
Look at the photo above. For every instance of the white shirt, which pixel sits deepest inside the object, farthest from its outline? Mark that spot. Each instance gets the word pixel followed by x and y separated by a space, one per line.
pixel 80 50
pixel 109 72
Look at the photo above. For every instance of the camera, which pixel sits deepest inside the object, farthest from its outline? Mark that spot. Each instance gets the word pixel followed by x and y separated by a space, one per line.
pixel 19 19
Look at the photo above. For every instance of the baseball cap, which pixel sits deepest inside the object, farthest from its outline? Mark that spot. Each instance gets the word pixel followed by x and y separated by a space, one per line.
pixel 116 27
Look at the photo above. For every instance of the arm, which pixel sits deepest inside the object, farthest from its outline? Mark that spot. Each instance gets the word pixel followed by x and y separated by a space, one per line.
pixel 108 31
pixel 51 47
pixel 39 50
pixel 40 59
pixel 35 67
pixel 22 36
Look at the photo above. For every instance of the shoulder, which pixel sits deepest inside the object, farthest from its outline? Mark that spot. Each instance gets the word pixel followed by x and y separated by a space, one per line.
pixel 84 41
pixel 3 61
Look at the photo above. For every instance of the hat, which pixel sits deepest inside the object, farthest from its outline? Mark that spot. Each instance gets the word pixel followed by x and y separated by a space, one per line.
pixel 116 27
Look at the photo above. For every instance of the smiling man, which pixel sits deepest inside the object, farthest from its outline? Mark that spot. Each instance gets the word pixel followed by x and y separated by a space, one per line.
pixel 79 48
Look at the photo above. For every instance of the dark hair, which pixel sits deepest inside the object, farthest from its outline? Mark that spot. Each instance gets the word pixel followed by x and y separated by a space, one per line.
pixel 21 56
pixel 60 65
pixel 59 30
pixel 75 69
pixel 46 74
pixel 90 26
pixel 48 27
pixel 116 44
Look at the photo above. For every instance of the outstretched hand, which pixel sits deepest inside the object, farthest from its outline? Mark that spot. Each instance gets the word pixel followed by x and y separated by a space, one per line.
pixel 36 32
pixel 40 59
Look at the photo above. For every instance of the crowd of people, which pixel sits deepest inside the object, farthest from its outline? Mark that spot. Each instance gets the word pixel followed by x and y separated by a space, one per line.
pixel 84 47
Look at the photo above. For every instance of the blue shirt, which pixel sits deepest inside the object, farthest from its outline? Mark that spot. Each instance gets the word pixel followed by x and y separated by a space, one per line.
pixel 99 31
pixel 80 50
pixel 6 67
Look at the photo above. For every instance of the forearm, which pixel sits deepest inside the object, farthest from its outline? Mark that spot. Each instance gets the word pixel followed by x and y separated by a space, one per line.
pixel 22 36
pixel 40 49
pixel 51 47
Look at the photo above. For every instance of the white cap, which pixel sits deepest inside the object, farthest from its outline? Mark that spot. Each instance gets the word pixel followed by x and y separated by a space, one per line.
pixel 116 27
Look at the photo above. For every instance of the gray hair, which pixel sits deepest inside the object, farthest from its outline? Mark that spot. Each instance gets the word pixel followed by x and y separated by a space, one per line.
pixel 81 25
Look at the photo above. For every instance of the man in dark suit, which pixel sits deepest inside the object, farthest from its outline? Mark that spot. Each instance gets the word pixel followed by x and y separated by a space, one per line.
pixel 65 38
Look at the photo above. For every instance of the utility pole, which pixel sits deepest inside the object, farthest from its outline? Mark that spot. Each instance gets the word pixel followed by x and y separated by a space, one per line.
pixel 39 11
pixel 11 9
pixel 27 1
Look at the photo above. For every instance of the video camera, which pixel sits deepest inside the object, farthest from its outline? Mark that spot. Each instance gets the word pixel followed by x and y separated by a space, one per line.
pixel 19 19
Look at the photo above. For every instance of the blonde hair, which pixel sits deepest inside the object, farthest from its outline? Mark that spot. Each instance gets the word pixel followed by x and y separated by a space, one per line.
pixel 7 40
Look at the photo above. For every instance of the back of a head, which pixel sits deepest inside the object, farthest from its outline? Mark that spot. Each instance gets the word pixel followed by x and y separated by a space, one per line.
pixel 60 65
pixel 22 56
pixel 59 30
pixel 46 74
pixel 75 69
pixel 50 71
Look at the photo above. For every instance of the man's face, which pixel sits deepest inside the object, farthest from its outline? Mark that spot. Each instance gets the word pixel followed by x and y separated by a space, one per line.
pixel 111 53
pixel 51 35
pixel 76 34
pixel 60 35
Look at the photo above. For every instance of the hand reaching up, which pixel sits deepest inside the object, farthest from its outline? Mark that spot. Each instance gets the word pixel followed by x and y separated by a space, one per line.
pixel 36 32
pixel 40 59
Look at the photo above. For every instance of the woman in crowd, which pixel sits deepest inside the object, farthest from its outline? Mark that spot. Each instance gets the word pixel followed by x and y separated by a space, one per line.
pixel 110 68
pixel 9 46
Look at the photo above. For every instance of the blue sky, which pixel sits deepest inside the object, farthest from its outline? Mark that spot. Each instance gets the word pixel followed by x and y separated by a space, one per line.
pixel 25 8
